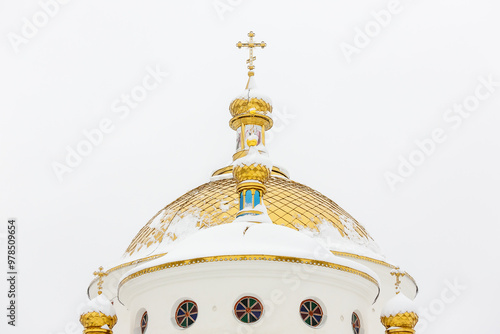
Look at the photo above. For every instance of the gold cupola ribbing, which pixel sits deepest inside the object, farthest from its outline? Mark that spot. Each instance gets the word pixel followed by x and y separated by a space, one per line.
pixel 98 316
pixel 399 314
pixel 252 167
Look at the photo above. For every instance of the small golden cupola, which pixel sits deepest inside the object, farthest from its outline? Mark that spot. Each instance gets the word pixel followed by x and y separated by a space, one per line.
pixel 98 316
pixel 251 113
pixel 399 315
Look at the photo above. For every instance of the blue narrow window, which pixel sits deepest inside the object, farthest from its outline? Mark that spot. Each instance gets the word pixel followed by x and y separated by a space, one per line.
pixel 256 199
pixel 248 198
pixel 241 200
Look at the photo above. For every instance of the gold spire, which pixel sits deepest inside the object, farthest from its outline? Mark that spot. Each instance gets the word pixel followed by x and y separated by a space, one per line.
pixel 99 312
pixel 398 273
pixel 405 321
pixel 100 274
pixel 251 119
pixel 250 110
pixel 250 45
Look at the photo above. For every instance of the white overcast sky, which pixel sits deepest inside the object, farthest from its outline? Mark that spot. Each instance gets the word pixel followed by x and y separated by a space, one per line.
pixel 350 121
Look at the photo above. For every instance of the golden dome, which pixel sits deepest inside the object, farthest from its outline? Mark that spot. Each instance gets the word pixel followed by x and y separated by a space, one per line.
pixel 406 320
pixel 251 107
pixel 243 105
pixel 93 322
pixel 253 172
pixel 97 313
pixel 253 169
pixel 288 203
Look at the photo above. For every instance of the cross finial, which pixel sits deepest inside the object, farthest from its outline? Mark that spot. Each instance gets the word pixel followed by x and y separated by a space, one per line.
pixel 100 274
pixel 250 45
pixel 398 273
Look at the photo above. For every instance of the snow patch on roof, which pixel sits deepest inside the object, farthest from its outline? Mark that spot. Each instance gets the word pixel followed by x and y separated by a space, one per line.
pixel 181 226
pixel 221 177
pixel 331 238
pixel 253 92
pixel 256 156
pixel 398 304
pixel 261 218
pixel 99 304
pixel 246 238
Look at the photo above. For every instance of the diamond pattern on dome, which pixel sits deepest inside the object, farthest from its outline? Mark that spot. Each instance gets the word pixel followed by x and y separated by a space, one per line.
pixel 288 203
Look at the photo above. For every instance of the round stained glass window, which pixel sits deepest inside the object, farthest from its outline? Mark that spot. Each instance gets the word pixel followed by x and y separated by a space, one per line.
pixel 311 312
pixel 186 313
pixel 356 324
pixel 248 309
pixel 144 322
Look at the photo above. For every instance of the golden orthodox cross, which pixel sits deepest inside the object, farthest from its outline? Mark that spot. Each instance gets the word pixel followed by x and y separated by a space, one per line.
pixel 250 45
pixel 398 273
pixel 100 274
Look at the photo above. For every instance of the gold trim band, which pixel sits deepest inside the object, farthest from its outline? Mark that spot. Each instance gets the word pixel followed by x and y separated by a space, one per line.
pixel 229 169
pixel 248 258
pixel 258 119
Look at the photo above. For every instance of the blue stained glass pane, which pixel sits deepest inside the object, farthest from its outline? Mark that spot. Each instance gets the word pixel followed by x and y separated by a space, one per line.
pixel 256 198
pixel 241 200
pixel 317 317
pixel 194 316
pixel 248 197
pixel 256 314
pixel 303 308
pixel 240 307
pixel 181 312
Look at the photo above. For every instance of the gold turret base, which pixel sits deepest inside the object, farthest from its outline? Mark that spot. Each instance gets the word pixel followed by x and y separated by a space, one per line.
pixel 400 331
pixel 97 330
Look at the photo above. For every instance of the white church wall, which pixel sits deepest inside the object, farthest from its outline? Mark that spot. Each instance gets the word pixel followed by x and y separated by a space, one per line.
pixel 281 287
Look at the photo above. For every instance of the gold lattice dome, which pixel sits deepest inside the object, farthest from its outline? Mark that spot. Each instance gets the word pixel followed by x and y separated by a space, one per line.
pixel 289 204
pixel 93 321
pixel 404 320
pixel 252 172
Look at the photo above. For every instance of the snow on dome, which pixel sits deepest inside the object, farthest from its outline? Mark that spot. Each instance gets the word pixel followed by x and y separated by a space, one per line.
pixel 254 157
pixel 260 218
pixel 398 304
pixel 99 304
pixel 245 238
pixel 330 237
pixel 253 92
pixel 308 211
